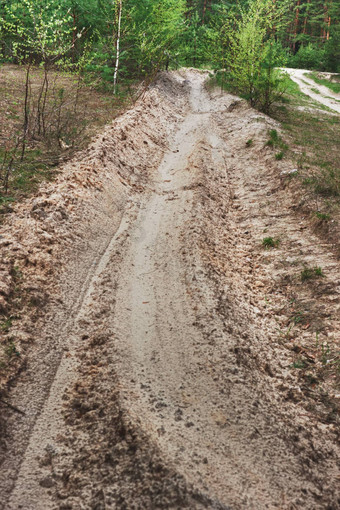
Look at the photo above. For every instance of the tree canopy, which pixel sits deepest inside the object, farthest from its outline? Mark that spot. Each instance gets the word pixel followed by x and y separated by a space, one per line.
pixel 157 33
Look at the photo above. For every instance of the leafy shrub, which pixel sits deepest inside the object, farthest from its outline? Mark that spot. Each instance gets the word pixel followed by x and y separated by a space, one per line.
pixel 254 56
pixel 332 51
pixel 308 57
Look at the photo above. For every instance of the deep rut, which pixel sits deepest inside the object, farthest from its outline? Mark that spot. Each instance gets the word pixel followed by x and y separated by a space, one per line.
pixel 155 319
pixel 27 492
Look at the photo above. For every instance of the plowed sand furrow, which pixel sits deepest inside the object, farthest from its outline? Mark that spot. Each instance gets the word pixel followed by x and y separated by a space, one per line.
pixel 177 389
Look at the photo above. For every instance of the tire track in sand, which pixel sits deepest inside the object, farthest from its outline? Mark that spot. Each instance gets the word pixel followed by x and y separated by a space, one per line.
pixel 27 493
pixel 155 322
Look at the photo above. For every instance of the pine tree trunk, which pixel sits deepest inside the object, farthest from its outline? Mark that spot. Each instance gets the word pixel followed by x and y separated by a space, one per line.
pixel 204 10
pixel 306 19
pixel 296 24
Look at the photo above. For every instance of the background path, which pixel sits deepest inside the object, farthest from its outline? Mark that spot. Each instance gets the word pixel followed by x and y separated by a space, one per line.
pixel 325 96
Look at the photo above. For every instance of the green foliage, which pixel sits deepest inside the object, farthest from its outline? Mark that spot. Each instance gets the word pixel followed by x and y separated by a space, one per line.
pixel 322 216
pixel 308 57
pixel 332 50
pixel 155 29
pixel 309 273
pixel 248 38
pixel 39 29
pixel 319 54
pixel 270 242
pixel 252 54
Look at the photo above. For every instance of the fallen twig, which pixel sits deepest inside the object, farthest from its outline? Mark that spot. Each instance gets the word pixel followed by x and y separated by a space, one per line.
pixel 16 409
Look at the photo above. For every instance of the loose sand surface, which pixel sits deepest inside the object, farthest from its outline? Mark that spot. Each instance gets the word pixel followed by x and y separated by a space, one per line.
pixel 159 362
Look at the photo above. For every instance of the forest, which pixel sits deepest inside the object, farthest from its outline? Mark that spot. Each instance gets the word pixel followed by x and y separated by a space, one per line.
pixel 124 40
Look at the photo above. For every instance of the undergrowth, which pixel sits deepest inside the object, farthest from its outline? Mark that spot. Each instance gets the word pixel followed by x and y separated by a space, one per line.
pixel 73 113
pixel 314 143
pixel 309 273
pixel 270 242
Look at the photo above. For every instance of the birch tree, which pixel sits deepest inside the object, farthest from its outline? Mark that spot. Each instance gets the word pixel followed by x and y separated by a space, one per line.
pixel 115 76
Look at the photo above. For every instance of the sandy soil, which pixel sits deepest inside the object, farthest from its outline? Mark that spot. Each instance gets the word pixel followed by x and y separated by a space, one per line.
pixel 159 372
pixel 325 96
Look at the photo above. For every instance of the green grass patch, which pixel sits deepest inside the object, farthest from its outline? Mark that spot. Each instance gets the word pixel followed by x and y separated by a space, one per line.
pixel 299 364
pixel 6 324
pixel 309 273
pixel 273 138
pixel 276 141
pixel 334 86
pixel 322 216
pixel 315 147
pixel 293 89
pixel 11 350
pixel 270 242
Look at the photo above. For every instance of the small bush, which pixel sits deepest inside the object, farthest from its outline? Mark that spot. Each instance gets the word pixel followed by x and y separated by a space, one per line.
pixel 308 57
pixel 322 216
pixel 270 242
pixel 274 137
pixel 310 273
pixel 254 58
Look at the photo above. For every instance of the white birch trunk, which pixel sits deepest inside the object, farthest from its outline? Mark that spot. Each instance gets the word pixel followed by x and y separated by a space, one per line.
pixel 117 47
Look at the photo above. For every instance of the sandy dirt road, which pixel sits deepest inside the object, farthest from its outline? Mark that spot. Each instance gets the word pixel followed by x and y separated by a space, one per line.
pixel 171 385
pixel 324 95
